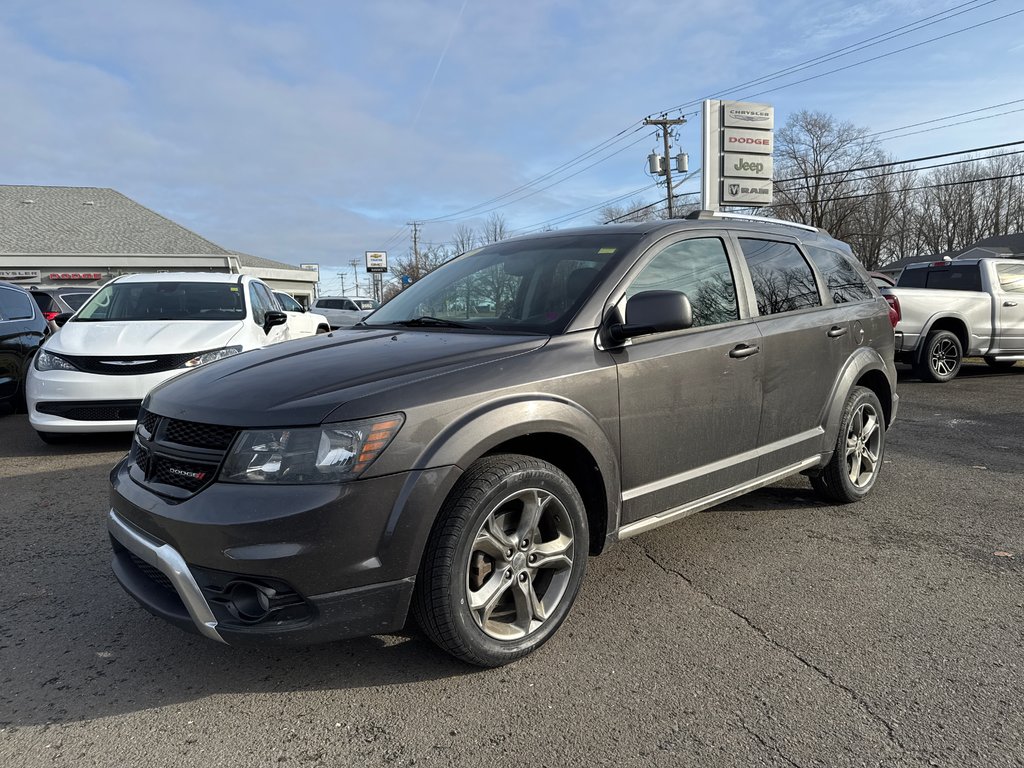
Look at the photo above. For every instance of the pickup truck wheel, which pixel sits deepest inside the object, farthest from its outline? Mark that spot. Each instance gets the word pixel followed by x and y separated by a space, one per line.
pixel 504 562
pixel 941 357
pixel 1000 365
pixel 853 469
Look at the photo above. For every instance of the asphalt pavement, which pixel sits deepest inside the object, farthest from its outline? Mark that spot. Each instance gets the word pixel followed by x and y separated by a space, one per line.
pixel 775 630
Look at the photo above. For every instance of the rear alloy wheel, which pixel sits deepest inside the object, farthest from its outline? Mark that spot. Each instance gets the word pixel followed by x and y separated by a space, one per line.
pixel 504 562
pixel 853 469
pixel 941 357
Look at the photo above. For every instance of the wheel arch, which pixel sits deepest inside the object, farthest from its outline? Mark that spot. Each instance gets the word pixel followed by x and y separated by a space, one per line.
pixel 864 368
pixel 547 427
pixel 955 323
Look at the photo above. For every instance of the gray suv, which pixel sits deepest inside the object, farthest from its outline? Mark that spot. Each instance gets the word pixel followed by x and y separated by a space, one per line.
pixel 461 453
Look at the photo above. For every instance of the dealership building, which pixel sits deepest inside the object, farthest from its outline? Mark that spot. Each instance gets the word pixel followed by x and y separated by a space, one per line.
pixel 85 236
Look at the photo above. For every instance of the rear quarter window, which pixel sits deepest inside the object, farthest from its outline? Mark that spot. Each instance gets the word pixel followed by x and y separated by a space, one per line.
pixel 843 281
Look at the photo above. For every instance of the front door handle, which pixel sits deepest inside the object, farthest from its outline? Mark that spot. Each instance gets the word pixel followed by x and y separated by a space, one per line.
pixel 1009 303
pixel 836 331
pixel 744 350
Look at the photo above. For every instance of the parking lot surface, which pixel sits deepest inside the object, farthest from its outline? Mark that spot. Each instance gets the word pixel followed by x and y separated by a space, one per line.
pixel 775 630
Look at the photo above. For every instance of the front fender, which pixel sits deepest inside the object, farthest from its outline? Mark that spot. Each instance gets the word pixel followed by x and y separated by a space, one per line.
pixel 482 429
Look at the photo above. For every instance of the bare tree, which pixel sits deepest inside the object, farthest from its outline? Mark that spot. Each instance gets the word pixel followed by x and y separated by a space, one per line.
pixel 633 210
pixel 495 229
pixel 819 159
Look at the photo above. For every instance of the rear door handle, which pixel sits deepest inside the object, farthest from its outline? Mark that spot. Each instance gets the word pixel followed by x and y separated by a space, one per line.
pixel 744 350
pixel 1009 303
pixel 836 331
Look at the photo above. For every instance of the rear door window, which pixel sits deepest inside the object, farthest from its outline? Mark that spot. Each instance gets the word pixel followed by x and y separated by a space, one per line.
pixel 783 280
pixel 952 277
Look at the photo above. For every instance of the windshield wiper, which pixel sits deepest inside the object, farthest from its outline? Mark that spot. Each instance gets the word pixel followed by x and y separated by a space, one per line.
pixel 426 321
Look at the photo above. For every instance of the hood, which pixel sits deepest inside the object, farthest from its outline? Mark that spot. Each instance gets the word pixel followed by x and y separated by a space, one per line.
pixel 301 382
pixel 136 337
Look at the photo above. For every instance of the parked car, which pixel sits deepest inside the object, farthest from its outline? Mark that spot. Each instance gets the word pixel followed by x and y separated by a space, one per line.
pixel 301 321
pixel 344 311
pixel 138 331
pixel 882 280
pixel 952 309
pixel 22 330
pixel 58 301
pixel 466 466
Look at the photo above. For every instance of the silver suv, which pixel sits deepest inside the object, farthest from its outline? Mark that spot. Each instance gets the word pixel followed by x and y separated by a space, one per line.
pixel 463 451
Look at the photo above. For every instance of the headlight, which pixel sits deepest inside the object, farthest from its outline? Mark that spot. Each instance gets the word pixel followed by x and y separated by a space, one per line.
pixel 328 454
pixel 210 357
pixel 47 361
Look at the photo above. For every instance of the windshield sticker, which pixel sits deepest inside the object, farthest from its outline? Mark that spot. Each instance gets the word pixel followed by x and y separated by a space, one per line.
pixel 608 250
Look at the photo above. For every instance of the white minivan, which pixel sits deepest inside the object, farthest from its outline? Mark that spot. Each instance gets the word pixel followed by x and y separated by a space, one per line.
pixel 138 331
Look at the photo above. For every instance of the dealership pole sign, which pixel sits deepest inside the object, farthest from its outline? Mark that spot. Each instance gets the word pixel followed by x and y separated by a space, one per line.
pixel 738 140
pixel 376 261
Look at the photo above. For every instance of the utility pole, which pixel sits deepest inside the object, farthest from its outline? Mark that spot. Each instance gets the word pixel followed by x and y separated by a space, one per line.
pixel 664 123
pixel 355 273
pixel 415 249
pixel 341 276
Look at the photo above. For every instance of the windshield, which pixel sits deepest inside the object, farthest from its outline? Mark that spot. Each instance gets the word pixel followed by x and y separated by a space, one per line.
pixel 534 285
pixel 75 300
pixel 164 301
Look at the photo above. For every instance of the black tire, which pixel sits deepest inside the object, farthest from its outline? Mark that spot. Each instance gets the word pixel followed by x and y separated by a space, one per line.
pixel 941 358
pixel 859 450
pixel 1000 365
pixel 479 537
pixel 52 438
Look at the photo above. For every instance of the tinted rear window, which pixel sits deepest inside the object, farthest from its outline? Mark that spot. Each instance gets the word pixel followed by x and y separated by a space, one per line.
pixel 15 305
pixel 964 277
pixel 75 300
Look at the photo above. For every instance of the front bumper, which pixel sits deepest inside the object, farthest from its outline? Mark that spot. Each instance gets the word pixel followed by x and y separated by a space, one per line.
pixel 298 565
pixel 77 393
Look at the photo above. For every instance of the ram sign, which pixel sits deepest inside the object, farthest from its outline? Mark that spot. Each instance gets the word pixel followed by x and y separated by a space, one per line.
pixel 738 143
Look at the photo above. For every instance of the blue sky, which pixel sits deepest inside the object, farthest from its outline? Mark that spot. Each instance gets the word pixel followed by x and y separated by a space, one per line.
pixel 313 131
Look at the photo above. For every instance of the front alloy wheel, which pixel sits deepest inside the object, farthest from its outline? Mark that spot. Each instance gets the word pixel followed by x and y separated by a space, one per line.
pixel 504 562
pixel 521 561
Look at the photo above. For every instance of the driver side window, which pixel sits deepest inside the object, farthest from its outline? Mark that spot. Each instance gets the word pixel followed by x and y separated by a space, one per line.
pixel 260 305
pixel 699 268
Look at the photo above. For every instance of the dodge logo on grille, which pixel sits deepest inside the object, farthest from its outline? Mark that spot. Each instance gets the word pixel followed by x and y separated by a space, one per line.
pixel 186 473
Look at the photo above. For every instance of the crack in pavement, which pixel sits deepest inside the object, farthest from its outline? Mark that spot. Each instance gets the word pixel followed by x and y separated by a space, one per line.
pixel 771 747
pixel 854 696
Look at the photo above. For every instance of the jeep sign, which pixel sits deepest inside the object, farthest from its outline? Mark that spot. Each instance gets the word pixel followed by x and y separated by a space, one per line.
pixel 747 166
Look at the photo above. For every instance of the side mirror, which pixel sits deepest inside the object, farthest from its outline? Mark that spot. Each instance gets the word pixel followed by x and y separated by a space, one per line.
pixel 62 318
pixel 653 312
pixel 272 319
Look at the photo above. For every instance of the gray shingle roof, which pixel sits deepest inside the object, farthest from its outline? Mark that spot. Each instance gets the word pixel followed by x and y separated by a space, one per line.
pixel 248 260
pixel 82 220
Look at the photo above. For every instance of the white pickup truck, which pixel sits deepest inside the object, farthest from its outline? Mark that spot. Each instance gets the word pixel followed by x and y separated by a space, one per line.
pixel 952 309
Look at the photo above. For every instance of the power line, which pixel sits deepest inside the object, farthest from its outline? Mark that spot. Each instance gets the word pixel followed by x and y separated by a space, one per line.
pixel 949 117
pixel 952 125
pixel 927 186
pixel 636 126
pixel 919 24
pixel 925 168
pixel 575 214
pixel 900 162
